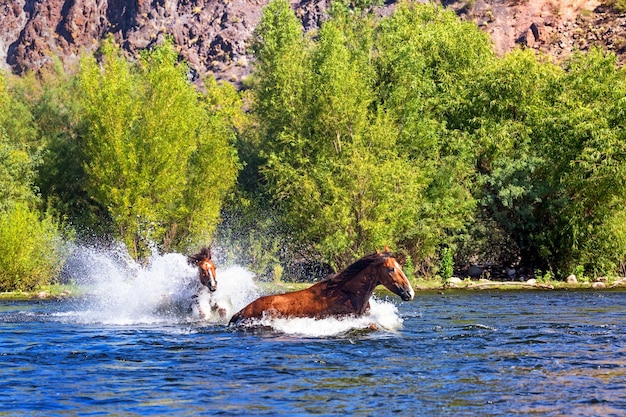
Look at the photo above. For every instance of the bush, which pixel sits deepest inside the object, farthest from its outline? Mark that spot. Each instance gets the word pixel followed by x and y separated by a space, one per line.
pixel 31 250
pixel 446 264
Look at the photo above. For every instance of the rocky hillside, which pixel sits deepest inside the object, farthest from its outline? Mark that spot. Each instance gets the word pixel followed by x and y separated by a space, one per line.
pixel 212 34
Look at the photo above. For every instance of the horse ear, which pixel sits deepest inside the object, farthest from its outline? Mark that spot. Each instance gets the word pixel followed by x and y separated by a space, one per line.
pixel 386 250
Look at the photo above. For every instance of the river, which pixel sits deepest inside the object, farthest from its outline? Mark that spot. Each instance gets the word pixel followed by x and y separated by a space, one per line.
pixel 115 351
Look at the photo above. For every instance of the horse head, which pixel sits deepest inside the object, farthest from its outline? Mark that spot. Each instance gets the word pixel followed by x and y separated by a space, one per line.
pixel 390 275
pixel 206 268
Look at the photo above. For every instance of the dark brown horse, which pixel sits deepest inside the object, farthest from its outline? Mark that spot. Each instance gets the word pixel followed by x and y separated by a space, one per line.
pixel 206 268
pixel 346 293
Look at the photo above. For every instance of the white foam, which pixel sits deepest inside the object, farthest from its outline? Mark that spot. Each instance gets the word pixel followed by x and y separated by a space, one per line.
pixel 382 314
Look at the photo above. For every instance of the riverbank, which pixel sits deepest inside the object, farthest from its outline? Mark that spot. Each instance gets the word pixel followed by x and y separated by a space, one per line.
pixel 47 292
pixel 601 283
pixel 58 292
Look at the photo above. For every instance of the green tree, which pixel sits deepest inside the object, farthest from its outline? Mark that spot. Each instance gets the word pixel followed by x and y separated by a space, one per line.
pixel 587 146
pixel 156 158
pixel 16 173
pixel 31 250
pixel 427 59
pixel 213 166
pixel 332 161
pixel 52 96
pixel 550 157
pixel 17 164
pixel 505 115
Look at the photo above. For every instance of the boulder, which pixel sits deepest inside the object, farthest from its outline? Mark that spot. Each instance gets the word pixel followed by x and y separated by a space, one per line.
pixel 454 282
pixel 572 279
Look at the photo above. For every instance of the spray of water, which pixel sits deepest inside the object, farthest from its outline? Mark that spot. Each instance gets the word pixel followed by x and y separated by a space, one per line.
pixel 165 290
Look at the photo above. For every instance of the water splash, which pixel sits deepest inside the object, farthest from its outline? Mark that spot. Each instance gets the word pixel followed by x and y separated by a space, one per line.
pixel 165 291
pixel 383 315
pixel 119 291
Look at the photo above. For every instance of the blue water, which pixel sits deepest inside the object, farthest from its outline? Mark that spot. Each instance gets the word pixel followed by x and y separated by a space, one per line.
pixel 467 353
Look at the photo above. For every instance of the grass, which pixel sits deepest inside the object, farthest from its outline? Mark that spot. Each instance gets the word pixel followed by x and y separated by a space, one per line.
pixel 54 291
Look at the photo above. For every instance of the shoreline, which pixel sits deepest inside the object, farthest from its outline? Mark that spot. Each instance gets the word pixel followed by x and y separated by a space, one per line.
pixel 62 292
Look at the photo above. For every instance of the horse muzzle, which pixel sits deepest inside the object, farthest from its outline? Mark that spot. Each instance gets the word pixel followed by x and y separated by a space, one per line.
pixel 210 284
pixel 407 295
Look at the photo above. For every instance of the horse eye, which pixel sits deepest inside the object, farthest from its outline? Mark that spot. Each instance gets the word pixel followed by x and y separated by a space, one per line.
pixel 391 270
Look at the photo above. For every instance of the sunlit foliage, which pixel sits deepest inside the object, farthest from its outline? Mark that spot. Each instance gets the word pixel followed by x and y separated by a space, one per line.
pixel 157 157
pixel 31 253
pixel 403 130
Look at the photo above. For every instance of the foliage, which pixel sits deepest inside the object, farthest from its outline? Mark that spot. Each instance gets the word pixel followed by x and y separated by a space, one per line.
pixel 503 114
pixel 157 157
pixel 618 5
pixel 591 159
pixel 16 173
pixel 31 251
pixel 551 157
pixel 409 268
pixel 16 117
pixel 403 130
pixel 17 165
pixel 52 97
pixel 446 264
pixel 427 57
pixel 349 171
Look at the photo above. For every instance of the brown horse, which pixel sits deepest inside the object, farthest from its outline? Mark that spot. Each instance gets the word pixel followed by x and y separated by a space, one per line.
pixel 346 293
pixel 206 268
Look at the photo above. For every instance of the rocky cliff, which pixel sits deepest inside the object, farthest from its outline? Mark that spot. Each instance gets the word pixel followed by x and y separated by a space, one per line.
pixel 211 34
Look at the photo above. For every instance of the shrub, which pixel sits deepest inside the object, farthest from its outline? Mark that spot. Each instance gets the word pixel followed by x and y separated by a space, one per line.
pixel 31 250
pixel 446 265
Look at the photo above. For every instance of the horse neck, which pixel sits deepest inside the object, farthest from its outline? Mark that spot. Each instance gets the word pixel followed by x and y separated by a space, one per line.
pixel 360 286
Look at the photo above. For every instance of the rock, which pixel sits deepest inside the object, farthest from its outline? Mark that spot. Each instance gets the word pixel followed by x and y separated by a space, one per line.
pixel 203 31
pixel 454 282
pixel 206 31
pixel 531 281
pixel 571 279
pixel 598 285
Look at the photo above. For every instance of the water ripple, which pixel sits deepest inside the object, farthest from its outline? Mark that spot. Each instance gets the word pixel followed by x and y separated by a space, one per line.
pixel 462 354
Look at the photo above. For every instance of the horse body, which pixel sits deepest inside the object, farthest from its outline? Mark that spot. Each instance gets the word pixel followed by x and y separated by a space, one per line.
pixel 343 294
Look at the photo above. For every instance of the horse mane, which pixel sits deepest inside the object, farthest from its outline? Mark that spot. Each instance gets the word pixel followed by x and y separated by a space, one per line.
pixel 205 253
pixel 355 268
